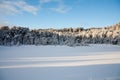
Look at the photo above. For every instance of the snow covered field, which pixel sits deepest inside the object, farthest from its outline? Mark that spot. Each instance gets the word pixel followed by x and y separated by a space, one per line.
pixel 94 62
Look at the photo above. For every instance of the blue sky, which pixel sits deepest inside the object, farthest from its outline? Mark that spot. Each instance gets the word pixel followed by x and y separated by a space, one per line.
pixel 59 13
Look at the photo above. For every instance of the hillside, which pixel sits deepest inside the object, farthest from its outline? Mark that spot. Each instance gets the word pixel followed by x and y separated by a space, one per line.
pixel 66 36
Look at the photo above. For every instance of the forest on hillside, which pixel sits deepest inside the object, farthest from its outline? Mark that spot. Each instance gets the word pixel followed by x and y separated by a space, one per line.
pixel 67 36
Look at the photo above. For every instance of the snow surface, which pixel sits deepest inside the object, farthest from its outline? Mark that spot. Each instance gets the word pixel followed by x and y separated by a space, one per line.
pixel 94 62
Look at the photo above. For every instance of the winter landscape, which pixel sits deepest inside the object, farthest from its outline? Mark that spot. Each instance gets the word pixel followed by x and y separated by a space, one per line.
pixel 65 54
pixel 59 40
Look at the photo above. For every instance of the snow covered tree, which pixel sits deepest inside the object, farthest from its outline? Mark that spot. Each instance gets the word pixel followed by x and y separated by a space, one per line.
pixel 66 36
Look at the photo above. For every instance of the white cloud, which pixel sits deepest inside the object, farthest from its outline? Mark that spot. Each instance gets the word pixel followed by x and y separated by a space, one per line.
pixel 25 7
pixel 13 7
pixel 61 9
pixel 48 1
pixel 45 1
pixel 7 8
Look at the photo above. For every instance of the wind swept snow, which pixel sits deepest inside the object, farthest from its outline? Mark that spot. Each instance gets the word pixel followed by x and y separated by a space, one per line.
pixel 94 62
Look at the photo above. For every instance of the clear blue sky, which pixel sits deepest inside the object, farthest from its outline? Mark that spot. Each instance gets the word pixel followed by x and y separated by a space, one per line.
pixel 59 13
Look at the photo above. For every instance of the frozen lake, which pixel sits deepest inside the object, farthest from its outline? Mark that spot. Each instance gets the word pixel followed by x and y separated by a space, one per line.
pixel 94 62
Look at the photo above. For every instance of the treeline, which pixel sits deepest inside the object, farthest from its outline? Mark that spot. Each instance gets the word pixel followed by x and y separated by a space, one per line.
pixel 66 36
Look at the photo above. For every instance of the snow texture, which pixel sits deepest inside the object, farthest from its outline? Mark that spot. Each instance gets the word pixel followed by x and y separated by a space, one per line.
pixel 93 62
